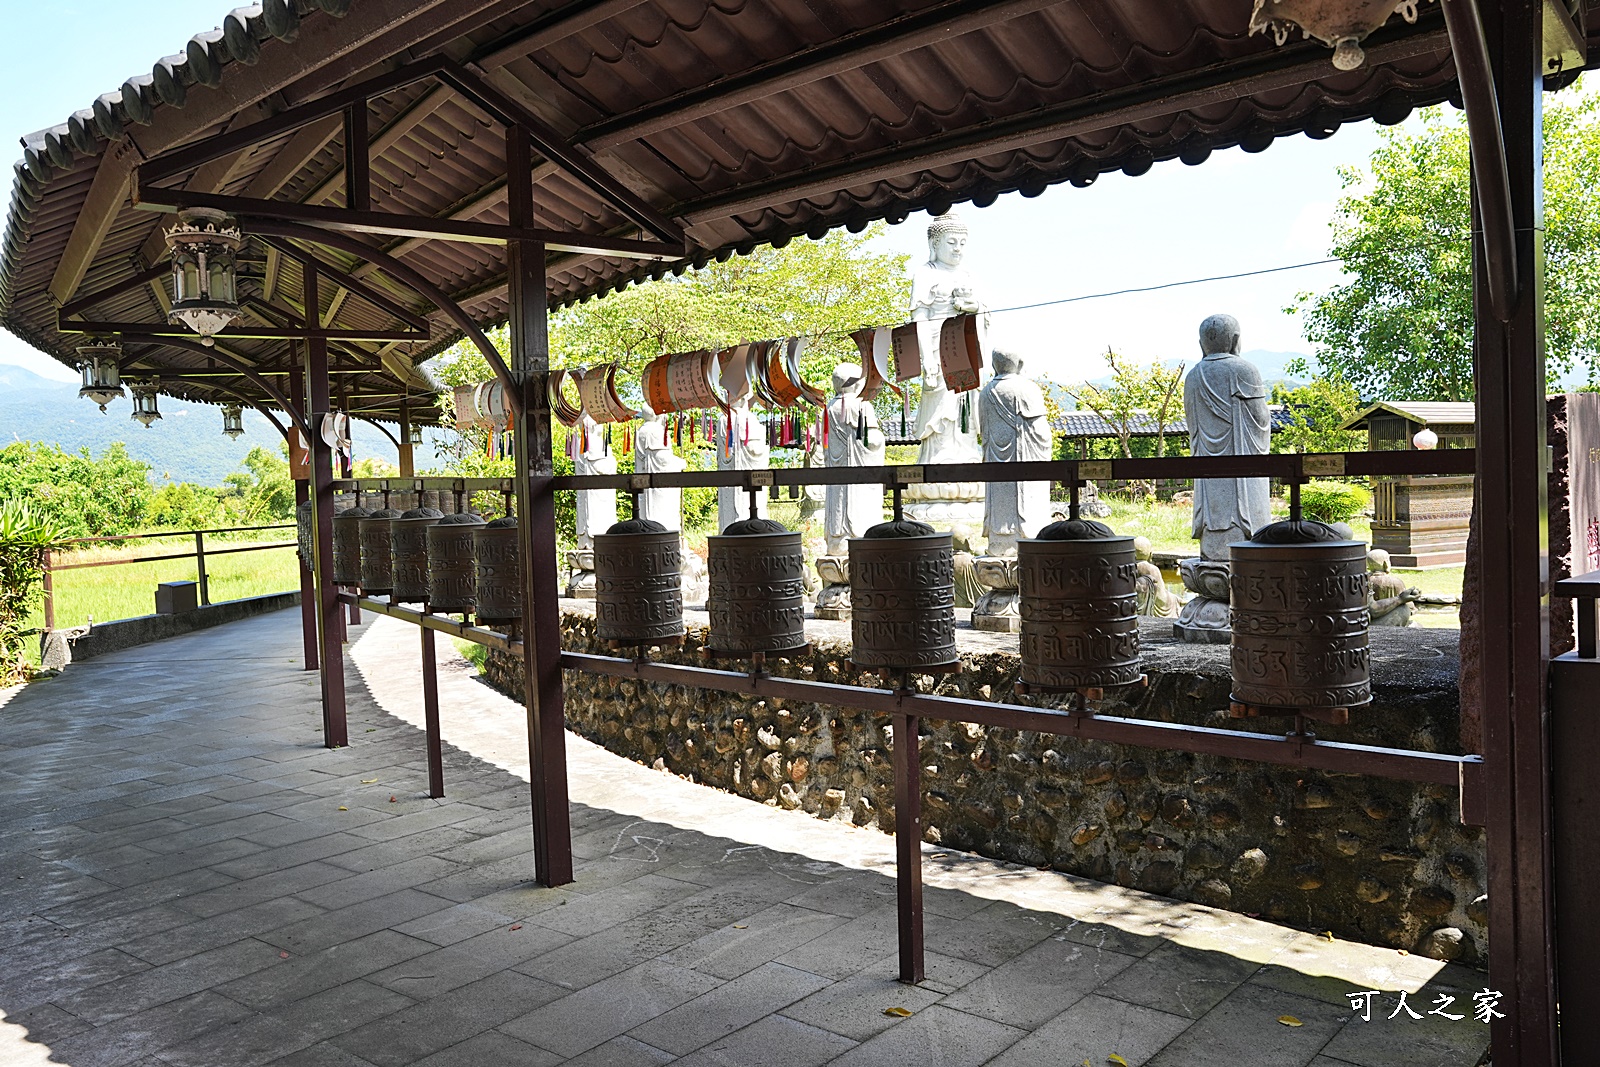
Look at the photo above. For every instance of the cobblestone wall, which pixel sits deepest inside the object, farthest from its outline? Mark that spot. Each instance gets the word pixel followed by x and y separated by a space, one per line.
pixel 1369 859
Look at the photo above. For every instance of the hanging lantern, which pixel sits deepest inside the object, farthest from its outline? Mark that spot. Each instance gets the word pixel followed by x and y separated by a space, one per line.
pixel 1299 620
pixel 414 434
pixel 452 574
pixel 1340 24
pixel 1425 440
pixel 756 602
pixel 499 565
pixel 377 564
pixel 903 599
pixel 408 550
pixel 205 246
pixel 638 594
pixel 102 378
pixel 347 545
pixel 232 420
pixel 1079 605
pixel 144 401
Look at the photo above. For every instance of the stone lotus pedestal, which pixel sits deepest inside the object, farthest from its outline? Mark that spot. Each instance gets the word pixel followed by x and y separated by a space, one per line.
pixel 998 610
pixel 945 504
pixel 692 578
pixel 1204 619
pixel 580 576
pixel 833 599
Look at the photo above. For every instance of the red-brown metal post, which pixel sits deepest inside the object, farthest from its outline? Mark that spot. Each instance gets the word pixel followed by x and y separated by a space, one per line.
pixel 536 526
pixel 302 493
pixel 430 713
pixel 908 844
pixel 329 612
pixel 49 591
pixel 1515 640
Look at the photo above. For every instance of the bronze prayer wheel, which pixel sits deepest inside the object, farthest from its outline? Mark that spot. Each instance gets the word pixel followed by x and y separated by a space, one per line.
pixel 304 534
pixel 1080 626
pixel 347 545
pixel 756 600
pixel 1299 619
pixel 408 547
pixel 452 570
pixel 498 563
pixel 377 565
pixel 638 596
pixel 903 598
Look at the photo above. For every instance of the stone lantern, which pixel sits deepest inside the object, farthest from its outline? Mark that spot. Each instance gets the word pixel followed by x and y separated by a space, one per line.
pixel 232 420
pixel 205 247
pixel 144 401
pixel 102 378
pixel 1340 24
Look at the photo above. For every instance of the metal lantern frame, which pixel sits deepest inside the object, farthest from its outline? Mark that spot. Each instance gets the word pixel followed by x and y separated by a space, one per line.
pixel 233 420
pixel 102 372
pixel 205 247
pixel 146 409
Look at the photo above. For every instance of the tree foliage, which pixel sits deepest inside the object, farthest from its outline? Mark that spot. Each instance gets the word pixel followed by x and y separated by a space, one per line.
pixel 25 535
pixel 1401 327
pixel 1315 412
pixel 1140 396
pixel 84 495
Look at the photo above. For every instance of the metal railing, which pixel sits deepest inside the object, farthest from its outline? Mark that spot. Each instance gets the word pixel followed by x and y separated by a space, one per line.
pixel 198 553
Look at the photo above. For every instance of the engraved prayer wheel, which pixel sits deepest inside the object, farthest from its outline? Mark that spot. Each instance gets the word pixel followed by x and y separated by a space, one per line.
pixel 347 545
pixel 1079 602
pixel 408 548
pixel 377 565
pixel 452 567
pixel 638 596
pixel 903 598
pixel 499 571
pixel 756 601
pixel 1299 620
pixel 304 533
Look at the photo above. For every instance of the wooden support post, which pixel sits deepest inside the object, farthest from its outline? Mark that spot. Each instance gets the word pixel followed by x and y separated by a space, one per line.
pixel 49 591
pixel 536 526
pixel 430 713
pixel 1514 639
pixel 329 614
pixel 200 567
pixel 908 844
pixel 302 493
pixel 403 444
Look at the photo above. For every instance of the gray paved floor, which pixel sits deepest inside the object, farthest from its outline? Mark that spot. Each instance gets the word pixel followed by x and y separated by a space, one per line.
pixel 189 879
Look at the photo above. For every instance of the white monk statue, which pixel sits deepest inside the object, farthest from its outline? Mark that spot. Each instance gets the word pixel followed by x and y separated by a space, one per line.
pixel 652 454
pixel 597 508
pixel 854 440
pixel 741 446
pixel 1016 429
pixel 942 287
pixel 1225 404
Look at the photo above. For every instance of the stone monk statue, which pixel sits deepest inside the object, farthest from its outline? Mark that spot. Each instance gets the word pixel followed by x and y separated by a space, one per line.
pixel 1225 404
pixel 652 454
pixel 854 440
pixel 1016 429
pixel 947 423
pixel 597 508
pixel 741 446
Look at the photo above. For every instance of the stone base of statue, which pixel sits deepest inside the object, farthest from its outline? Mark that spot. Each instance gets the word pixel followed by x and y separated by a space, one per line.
pixel 1204 619
pixel 997 610
pixel 833 599
pixel 580 577
pixel 945 504
pixel 692 578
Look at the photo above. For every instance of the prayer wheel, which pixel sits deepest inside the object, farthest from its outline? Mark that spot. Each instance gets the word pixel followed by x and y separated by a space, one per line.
pixel 1299 620
pixel 347 545
pixel 498 563
pixel 304 532
pixel 903 598
pixel 1079 601
pixel 377 565
pixel 638 595
pixel 452 567
pixel 757 589
pixel 408 548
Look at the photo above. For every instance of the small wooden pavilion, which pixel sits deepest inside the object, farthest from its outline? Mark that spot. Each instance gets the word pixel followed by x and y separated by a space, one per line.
pixel 1420 520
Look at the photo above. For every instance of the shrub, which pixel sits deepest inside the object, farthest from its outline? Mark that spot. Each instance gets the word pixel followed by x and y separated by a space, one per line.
pixel 1333 501
pixel 25 536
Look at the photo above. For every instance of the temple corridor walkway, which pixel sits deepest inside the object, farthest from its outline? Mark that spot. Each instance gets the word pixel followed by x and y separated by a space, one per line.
pixel 188 880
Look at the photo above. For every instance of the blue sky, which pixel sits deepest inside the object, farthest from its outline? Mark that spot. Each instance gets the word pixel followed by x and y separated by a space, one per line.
pixel 1235 213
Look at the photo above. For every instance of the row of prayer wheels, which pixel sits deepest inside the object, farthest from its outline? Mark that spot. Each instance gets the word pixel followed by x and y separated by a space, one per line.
pixel 455 563
pixel 1299 605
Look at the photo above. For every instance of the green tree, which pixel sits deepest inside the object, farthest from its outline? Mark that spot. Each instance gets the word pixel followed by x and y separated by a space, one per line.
pixel 1401 327
pixel 1139 396
pixel 25 535
pixel 1315 412
pixel 262 489
pixel 186 506
pixel 86 496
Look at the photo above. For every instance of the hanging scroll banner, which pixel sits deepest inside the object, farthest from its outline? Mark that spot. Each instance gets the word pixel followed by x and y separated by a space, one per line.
pixel 597 386
pixel 683 381
pixel 794 348
pixel 960 356
pixel 735 373
pixel 774 385
pixel 906 351
pixel 466 406
pixel 565 409
pixel 876 347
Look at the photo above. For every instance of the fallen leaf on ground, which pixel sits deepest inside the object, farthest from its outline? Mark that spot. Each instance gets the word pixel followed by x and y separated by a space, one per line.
pixel 898 1013
pixel 1290 1020
pixel 1328 934
pixel 368 781
pixel 1114 1058
pixel 391 800
pixel 283 955
pixel 343 808
pixel 741 926
pixel 516 926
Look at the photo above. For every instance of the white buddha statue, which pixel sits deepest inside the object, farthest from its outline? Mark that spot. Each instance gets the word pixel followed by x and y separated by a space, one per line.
pixel 597 508
pixel 744 449
pixel 853 441
pixel 652 454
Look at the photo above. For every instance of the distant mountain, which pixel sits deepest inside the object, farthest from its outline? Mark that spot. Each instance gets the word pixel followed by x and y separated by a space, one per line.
pixel 187 445
pixel 1272 365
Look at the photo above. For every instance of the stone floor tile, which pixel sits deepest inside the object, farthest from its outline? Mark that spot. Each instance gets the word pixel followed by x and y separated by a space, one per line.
pixel 854 1008
pixel 774 1041
pixel 739 947
pixel 340 1009
pixel 1402 1041
pixel 286 980
pixel 223 929
pixel 444 969
pixel 447 1020
pixel 46 1023
pixel 148 1032
pixel 1182 981
pixel 852 896
pixel 491 1049
pixel 579 1021
pixel 934 1035
pixel 377 883
pixel 346 924
pixel 456 924
pixel 249 891
pixel 1327 970
pixel 52 982
pixel 621 1051
pixel 1040 983
pixel 717 1013
pixel 593 912
pixel 322 1054
pixel 838 952
pixel 151 986
pixel 1245 1027
pixel 1092 1029
pixel 989 938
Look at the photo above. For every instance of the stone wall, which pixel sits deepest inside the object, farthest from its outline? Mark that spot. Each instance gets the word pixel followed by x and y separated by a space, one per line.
pixel 1367 858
